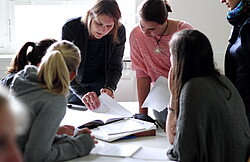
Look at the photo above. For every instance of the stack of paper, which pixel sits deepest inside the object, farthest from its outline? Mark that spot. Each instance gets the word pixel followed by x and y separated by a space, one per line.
pixel 123 128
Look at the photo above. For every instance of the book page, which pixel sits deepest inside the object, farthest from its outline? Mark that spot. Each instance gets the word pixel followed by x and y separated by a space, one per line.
pixel 107 149
pixel 159 95
pixel 102 135
pixel 109 106
pixel 122 126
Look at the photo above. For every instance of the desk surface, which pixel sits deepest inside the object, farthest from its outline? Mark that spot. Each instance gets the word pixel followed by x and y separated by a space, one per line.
pixel 77 118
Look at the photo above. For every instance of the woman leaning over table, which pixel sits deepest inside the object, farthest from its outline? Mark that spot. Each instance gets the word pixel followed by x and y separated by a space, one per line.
pixel 149 48
pixel 211 125
pixel 101 38
pixel 237 60
pixel 44 91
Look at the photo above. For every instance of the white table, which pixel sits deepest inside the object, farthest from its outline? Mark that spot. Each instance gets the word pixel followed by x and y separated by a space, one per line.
pixel 77 118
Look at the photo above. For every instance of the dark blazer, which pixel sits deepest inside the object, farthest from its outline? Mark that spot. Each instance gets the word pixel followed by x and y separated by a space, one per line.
pixel 75 31
pixel 230 65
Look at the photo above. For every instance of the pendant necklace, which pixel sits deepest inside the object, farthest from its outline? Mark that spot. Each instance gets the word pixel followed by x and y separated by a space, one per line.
pixel 157 49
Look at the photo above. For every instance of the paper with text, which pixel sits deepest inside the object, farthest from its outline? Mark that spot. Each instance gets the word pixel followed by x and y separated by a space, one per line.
pixel 158 97
pixel 109 106
pixel 107 149
pixel 123 126
pixel 148 153
pixel 103 135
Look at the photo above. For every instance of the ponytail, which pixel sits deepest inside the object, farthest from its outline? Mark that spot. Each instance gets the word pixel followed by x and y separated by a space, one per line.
pixel 54 72
pixel 33 57
pixel 20 60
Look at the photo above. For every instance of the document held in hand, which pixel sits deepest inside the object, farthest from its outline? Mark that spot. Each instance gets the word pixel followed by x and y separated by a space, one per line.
pixel 159 95
pixel 109 106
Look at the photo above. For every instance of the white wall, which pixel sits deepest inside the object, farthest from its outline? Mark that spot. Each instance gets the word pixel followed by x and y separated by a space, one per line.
pixel 208 16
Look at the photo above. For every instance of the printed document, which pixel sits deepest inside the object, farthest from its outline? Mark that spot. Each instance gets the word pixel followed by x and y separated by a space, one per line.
pixel 113 131
pixel 109 106
pixel 107 149
pixel 158 97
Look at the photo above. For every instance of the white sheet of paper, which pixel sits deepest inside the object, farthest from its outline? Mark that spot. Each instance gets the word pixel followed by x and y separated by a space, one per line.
pixel 158 97
pixel 115 150
pixel 109 106
pixel 122 126
pixel 148 153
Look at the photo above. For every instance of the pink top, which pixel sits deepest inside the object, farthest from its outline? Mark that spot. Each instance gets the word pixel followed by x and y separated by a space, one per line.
pixel 145 61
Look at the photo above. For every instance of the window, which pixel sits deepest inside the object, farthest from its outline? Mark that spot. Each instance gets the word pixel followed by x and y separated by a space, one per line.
pixel 33 20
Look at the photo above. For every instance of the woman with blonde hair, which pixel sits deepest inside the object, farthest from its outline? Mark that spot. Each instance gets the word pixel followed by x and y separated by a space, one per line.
pixel 101 38
pixel 44 91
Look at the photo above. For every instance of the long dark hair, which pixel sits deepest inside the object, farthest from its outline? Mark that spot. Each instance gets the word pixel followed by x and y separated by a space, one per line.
pixel 22 58
pixel 106 7
pixel 154 10
pixel 192 57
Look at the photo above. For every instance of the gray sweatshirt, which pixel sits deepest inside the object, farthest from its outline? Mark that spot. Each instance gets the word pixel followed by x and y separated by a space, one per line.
pixel 211 126
pixel 40 142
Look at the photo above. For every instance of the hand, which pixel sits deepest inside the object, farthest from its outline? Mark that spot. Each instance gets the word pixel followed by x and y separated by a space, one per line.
pixel 66 129
pixel 108 92
pixel 91 100
pixel 86 130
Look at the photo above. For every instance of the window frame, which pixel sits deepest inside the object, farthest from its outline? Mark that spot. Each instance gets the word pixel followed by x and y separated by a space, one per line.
pixel 7 19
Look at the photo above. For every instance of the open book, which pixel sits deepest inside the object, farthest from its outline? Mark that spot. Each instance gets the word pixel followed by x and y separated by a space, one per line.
pixel 96 123
pixel 113 121
pixel 122 128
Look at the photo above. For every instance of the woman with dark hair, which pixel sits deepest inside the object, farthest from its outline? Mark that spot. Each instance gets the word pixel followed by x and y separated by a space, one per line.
pixel 23 58
pixel 211 123
pixel 101 38
pixel 237 59
pixel 149 48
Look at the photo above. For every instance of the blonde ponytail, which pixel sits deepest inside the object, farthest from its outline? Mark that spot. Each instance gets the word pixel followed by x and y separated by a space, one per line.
pixel 54 72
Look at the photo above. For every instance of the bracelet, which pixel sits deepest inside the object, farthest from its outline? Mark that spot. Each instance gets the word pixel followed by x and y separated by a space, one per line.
pixel 171 110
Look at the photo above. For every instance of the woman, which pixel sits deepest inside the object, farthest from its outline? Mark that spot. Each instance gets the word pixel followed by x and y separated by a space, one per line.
pixel 211 125
pixel 8 149
pixel 149 48
pixel 237 60
pixel 24 57
pixel 33 57
pixel 44 91
pixel 101 38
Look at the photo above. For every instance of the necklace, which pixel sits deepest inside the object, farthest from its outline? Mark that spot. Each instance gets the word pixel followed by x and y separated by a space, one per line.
pixel 157 49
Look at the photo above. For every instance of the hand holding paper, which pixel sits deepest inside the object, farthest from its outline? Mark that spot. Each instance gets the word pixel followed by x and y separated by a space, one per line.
pixel 158 97
pixel 109 106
